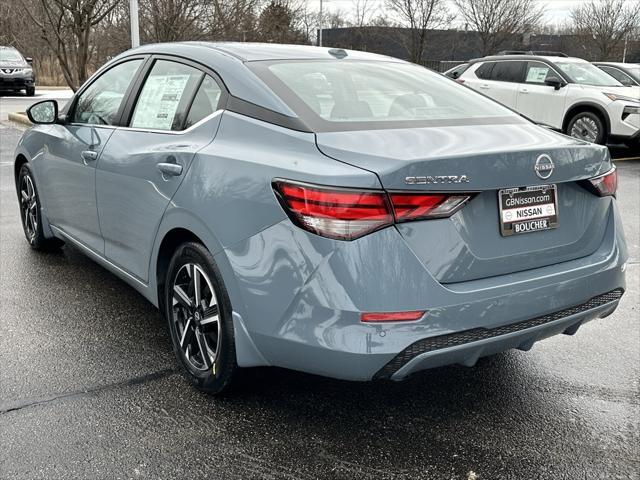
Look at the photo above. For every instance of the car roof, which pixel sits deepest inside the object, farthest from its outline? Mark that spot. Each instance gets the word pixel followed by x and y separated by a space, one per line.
pixel 250 52
pixel 548 58
pixel 618 64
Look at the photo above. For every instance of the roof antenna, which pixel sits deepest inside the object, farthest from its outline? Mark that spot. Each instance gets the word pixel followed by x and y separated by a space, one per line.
pixel 338 53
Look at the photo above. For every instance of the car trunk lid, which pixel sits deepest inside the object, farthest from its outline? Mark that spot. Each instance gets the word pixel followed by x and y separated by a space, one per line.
pixel 483 159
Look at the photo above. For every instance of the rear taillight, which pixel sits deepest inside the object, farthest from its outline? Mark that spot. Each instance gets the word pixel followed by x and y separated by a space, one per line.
pixel 606 184
pixel 347 214
pixel 411 206
pixel 344 214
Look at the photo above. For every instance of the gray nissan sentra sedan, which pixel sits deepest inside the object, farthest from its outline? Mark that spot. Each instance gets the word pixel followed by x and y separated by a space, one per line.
pixel 330 211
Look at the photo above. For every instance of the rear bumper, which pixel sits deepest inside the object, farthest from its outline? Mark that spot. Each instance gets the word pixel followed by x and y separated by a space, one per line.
pixel 299 297
pixel 467 347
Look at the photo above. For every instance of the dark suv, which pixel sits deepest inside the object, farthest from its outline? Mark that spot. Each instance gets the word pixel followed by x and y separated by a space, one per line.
pixel 15 71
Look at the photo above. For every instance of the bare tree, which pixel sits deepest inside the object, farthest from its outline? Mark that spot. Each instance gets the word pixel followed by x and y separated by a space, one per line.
pixel 173 20
pixel 277 23
pixel 419 16
pixel 608 22
pixel 234 19
pixel 496 21
pixel 362 12
pixel 67 26
pixel 335 19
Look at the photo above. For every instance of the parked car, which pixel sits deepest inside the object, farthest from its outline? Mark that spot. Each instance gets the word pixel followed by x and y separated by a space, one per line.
pixel 568 94
pixel 330 211
pixel 456 71
pixel 628 74
pixel 16 72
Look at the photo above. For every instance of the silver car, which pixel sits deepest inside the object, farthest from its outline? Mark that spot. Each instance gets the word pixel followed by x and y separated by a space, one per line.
pixel 16 72
pixel 330 211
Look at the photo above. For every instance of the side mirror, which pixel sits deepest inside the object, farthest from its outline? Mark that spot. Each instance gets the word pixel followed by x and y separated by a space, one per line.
pixel 29 59
pixel 44 112
pixel 555 82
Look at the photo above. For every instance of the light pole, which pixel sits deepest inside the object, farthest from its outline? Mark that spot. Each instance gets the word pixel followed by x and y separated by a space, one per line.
pixel 320 32
pixel 321 21
pixel 135 26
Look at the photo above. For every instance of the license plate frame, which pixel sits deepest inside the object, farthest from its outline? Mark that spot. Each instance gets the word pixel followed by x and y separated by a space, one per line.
pixel 528 209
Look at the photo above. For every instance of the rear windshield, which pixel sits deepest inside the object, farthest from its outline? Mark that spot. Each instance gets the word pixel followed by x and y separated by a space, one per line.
pixel 375 94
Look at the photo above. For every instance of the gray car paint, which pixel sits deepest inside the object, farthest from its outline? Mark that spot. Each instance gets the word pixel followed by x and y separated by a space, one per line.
pixel 70 189
pixel 297 296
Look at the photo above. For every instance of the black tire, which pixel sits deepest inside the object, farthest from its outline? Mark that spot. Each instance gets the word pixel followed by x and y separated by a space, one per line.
pixel 30 213
pixel 587 126
pixel 31 91
pixel 193 332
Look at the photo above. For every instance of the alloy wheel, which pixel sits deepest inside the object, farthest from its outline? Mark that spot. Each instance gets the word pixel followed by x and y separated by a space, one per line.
pixel 29 207
pixel 196 316
pixel 585 128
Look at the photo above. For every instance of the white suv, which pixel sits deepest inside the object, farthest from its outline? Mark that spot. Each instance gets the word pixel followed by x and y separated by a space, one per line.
pixel 567 94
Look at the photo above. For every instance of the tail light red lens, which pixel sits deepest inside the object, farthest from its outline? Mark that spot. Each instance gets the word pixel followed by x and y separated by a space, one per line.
pixel 344 214
pixel 369 317
pixel 347 214
pixel 606 184
pixel 411 206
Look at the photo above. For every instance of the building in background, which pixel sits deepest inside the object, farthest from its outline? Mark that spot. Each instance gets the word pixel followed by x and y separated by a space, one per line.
pixel 446 48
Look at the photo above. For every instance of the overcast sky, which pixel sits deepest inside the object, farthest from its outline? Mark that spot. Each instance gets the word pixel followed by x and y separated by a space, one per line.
pixel 556 11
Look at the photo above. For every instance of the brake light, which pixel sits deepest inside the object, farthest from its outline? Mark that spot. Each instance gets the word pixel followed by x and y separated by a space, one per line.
pixel 606 184
pixel 411 206
pixel 347 214
pixel 344 214
pixel 391 316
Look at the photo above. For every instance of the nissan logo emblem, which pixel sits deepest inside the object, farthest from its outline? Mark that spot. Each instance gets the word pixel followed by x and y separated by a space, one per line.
pixel 544 166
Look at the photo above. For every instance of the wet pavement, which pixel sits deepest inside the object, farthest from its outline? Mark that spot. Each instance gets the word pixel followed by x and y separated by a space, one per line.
pixel 89 389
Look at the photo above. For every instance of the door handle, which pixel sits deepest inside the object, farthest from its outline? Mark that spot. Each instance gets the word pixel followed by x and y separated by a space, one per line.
pixel 170 169
pixel 524 90
pixel 89 156
pixel 484 86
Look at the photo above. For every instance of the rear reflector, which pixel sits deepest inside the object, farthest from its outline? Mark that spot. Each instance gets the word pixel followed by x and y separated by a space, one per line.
pixel 606 184
pixel 391 316
pixel 347 214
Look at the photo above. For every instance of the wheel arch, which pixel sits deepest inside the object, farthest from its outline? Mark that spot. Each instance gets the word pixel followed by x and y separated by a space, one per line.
pixel 179 226
pixel 17 165
pixel 170 242
pixel 587 107
pixel 247 353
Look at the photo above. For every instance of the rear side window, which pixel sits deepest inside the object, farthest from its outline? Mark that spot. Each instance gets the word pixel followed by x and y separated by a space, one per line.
pixel 459 70
pixel 205 102
pixel 166 96
pixel 484 70
pixel 623 78
pixel 537 72
pixel 507 71
pixel 100 103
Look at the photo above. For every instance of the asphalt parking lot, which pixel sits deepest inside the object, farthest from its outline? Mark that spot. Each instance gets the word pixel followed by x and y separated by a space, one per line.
pixel 89 389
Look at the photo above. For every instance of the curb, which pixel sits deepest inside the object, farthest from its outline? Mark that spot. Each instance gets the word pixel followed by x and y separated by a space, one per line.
pixel 19 117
